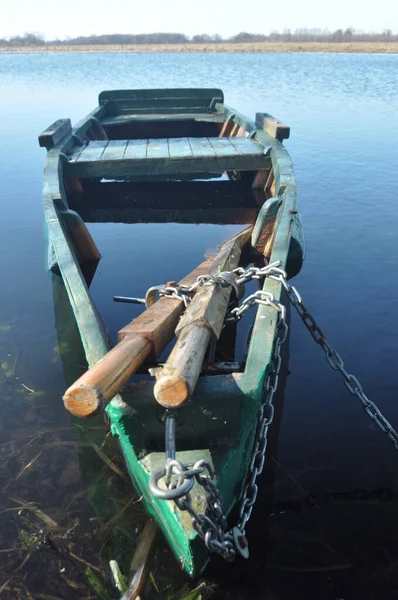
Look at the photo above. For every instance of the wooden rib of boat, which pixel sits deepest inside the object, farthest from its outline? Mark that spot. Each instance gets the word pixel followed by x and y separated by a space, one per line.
pixel 175 155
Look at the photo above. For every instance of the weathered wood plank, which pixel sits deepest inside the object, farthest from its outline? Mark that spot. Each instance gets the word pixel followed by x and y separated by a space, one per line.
pixel 153 116
pixel 242 131
pixel 91 152
pixel 202 321
pixel 180 147
pixel 97 131
pixel 102 150
pixel 272 126
pixel 158 95
pixel 260 180
pixel 169 110
pixel 264 228
pixel 147 335
pixel 270 185
pixel 92 333
pixel 223 147
pixel 51 136
pixel 162 166
pixel 148 104
pixel 114 150
pixel 82 242
pixel 136 149
pixel 234 130
pixel 140 562
pixel 84 124
pixel 201 147
pixel 96 387
pixel 53 181
pixel 264 331
pixel 158 148
pixel 245 124
pixel 245 145
pixel 75 152
pixel 227 126
pixel 68 145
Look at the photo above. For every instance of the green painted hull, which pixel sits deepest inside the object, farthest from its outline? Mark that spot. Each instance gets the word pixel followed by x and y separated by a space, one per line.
pixel 220 422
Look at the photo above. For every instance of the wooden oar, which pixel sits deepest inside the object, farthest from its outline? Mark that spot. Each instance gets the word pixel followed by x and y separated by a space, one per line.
pixel 202 321
pixel 147 335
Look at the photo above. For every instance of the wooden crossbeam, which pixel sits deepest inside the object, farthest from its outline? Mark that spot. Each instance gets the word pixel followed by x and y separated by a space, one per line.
pixel 124 158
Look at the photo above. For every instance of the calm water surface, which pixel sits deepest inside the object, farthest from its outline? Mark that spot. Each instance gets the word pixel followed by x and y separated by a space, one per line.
pixel 333 528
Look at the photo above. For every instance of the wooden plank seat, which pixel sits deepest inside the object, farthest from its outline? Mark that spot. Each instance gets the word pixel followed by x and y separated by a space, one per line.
pixel 199 117
pixel 165 156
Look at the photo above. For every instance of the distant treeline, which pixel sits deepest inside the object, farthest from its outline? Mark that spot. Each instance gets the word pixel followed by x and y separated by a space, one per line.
pixel 299 35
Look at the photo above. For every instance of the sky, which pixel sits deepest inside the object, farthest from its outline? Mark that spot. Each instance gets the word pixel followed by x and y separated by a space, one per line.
pixel 55 19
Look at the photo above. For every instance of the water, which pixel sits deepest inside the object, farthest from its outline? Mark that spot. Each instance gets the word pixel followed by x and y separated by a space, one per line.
pixel 342 111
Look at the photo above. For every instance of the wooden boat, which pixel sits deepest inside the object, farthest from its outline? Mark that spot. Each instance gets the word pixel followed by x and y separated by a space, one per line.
pixel 137 158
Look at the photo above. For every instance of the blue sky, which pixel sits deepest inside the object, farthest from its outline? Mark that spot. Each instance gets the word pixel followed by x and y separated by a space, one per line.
pixel 57 19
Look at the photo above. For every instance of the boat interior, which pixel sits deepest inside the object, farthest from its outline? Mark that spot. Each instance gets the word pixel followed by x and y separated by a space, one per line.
pixel 151 160
pixel 171 173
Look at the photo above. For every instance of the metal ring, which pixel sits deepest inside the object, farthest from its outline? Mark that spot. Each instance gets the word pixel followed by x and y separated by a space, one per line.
pixel 172 494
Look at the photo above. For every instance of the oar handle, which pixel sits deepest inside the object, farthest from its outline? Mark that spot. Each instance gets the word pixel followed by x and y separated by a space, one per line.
pixel 202 321
pixel 147 335
pixel 92 392
pixel 180 374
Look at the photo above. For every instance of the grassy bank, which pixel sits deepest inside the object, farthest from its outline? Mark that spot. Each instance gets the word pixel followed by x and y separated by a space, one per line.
pixel 364 47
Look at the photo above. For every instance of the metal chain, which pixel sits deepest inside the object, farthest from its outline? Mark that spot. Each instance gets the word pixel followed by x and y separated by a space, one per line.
pixel 236 279
pixel 179 479
pixel 334 359
pixel 212 526
pixel 256 465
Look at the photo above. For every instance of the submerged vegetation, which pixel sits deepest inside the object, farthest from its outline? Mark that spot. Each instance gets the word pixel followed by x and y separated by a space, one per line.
pixel 67 507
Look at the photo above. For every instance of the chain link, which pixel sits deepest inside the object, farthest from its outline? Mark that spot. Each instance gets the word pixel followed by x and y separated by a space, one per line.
pixel 236 279
pixel 256 465
pixel 212 526
pixel 334 359
pixel 179 477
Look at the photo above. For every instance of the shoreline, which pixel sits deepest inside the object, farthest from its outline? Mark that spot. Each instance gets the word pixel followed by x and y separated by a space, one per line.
pixel 257 47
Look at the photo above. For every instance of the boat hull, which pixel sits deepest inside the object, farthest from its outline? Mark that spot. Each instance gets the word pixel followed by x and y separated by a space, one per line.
pixel 219 425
